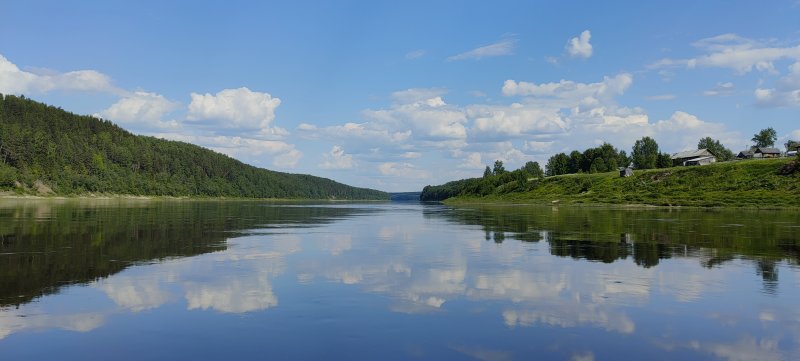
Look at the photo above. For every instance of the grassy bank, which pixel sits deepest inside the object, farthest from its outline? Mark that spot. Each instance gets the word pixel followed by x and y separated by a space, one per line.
pixel 754 183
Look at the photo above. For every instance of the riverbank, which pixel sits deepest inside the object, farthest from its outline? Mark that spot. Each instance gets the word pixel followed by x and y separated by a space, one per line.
pixel 746 184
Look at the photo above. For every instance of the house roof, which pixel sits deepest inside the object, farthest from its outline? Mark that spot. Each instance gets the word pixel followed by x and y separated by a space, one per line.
pixel 768 151
pixel 693 154
pixel 699 159
pixel 748 152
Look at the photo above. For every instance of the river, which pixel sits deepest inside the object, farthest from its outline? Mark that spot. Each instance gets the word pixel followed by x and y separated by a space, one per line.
pixel 195 280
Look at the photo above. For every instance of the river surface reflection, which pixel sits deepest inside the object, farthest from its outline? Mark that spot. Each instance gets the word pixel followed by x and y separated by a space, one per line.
pixel 132 280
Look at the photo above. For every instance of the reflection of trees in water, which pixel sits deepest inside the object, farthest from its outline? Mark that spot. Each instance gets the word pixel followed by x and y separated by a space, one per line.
pixel 47 245
pixel 646 236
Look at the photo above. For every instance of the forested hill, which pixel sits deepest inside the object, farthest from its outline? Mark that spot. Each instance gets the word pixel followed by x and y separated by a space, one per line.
pixel 44 148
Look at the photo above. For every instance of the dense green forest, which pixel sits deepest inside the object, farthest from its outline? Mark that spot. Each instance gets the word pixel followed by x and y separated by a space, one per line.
pixel 44 149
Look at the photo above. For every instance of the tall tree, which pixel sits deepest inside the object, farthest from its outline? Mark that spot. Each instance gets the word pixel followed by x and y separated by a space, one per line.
pixel 714 146
pixel 645 153
pixel 533 169
pixel 498 167
pixel 557 164
pixel 791 145
pixel 487 172
pixel 765 138
pixel 575 161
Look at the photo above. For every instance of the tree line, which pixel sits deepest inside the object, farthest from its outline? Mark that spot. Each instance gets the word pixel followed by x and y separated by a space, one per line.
pixel 74 154
pixel 645 154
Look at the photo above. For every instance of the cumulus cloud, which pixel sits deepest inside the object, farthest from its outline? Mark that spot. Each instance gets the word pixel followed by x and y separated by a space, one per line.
pixel 365 134
pixel 579 46
pixel 417 94
pixel 473 161
pixel 501 48
pixel 567 89
pixel 234 108
pixel 283 155
pixel 497 122
pixel 142 109
pixel 402 170
pixel 785 93
pixel 431 119
pixel 16 81
pixel 336 158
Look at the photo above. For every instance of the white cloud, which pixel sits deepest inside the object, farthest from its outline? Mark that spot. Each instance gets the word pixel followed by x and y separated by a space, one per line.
pixel 337 159
pixel 235 108
pixel 431 119
pixel 722 89
pixel 16 81
pixel 495 122
pixel 661 97
pixel 416 54
pixel 284 155
pixel 785 93
pixel 412 95
pixel 473 161
pixel 734 52
pixel 580 46
pixel 142 109
pixel 403 170
pixel 568 89
pixel 537 147
pixel 501 48
pixel 411 155
pixel 357 133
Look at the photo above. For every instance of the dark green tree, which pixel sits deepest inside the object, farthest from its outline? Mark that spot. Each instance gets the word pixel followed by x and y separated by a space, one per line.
pixel 664 160
pixel 557 165
pixel 533 169
pixel 645 153
pixel 715 147
pixel 575 162
pixel 791 145
pixel 487 172
pixel 498 167
pixel 765 138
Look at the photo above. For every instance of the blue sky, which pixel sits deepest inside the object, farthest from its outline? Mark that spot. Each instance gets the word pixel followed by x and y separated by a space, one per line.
pixel 397 95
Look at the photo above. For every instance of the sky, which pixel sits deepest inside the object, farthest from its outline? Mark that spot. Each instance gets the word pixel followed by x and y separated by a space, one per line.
pixel 398 95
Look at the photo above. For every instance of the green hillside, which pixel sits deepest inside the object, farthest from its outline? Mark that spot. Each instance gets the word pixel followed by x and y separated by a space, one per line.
pixel 46 150
pixel 771 183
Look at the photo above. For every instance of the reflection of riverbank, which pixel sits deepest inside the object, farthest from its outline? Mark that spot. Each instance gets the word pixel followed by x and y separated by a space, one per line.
pixel 507 283
pixel 46 245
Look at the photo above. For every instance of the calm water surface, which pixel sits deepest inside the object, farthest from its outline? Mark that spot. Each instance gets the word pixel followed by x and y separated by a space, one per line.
pixel 127 280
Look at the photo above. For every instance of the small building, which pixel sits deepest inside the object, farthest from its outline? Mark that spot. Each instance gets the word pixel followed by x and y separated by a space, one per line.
pixel 625 171
pixel 680 159
pixel 700 161
pixel 767 153
pixel 746 154
pixel 791 153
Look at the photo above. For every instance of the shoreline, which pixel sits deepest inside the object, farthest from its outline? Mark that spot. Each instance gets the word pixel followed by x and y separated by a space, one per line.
pixel 568 203
pixel 4 196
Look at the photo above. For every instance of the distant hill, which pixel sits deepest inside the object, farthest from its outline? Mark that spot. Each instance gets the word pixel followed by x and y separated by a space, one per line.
pixel 46 150
pixel 768 183
pixel 404 196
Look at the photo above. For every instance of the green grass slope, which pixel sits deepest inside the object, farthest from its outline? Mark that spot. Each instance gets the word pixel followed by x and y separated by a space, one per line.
pixel 773 183
pixel 46 150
